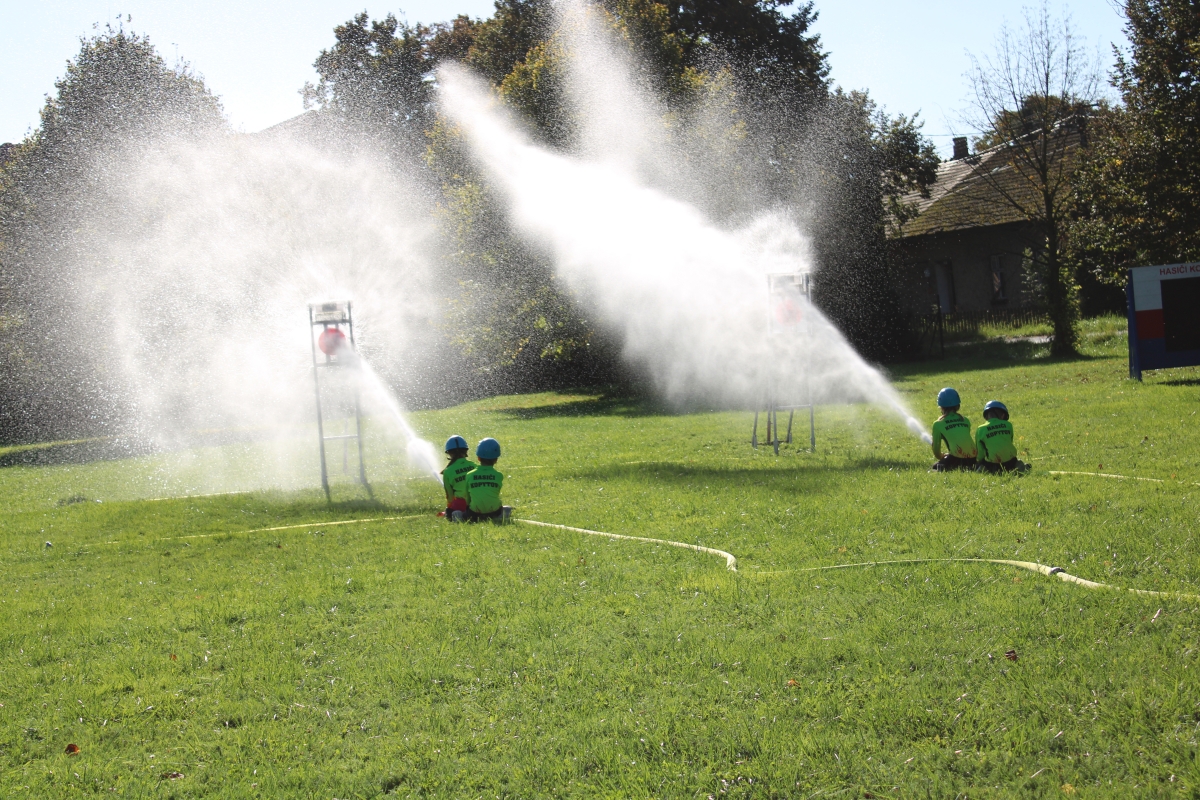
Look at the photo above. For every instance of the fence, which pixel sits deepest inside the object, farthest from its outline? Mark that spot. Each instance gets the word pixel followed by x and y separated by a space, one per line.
pixel 935 327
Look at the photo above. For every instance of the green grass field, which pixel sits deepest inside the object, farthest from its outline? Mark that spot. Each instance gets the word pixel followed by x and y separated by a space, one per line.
pixel 188 653
pixel 1094 333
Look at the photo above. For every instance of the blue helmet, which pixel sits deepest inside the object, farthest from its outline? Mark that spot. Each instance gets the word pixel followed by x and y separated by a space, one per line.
pixel 487 448
pixel 995 405
pixel 456 443
pixel 948 398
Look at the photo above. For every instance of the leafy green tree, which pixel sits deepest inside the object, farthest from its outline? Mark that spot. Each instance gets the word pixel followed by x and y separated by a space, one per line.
pixel 647 28
pixel 57 191
pixel 451 41
pixel 503 41
pixel 851 170
pixel 373 80
pixel 1138 195
pixel 508 312
pixel 535 85
pixel 756 36
pixel 907 164
pixel 511 311
pixel 534 88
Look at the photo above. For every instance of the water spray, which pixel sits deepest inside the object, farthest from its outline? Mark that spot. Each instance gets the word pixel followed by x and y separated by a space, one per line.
pixel 339 352
pixel 421 452
pixel 684 292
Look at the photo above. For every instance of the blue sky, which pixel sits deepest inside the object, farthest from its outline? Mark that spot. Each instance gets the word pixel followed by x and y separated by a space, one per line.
pixel 256 54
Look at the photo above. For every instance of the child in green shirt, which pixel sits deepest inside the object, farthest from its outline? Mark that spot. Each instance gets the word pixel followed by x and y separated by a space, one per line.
pixel 994 441
pixel 454 478
pixel 484 484
pixel 955 430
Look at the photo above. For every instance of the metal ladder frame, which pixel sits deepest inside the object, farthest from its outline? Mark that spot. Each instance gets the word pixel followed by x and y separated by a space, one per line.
pixel 769 402
pixel 319 315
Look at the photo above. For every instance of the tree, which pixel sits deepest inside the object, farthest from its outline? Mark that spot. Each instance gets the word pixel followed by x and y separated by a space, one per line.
pixel 373 79
pixel 56 193
pixel 907 164
pixel 757 36
pixel 509 313
pixel 851 170
pixel 504 41
pixel 1031 98
pixel 743 84
pixel 535 85
pixel 1138 194
pixel 451 41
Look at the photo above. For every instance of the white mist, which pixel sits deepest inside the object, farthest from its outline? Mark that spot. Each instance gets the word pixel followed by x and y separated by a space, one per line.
pixel 688 297
pixel 203 259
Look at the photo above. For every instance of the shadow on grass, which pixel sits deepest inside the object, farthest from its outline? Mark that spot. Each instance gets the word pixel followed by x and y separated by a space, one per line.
pixel 56 453
pixel 604 406
pixel 341 506
pixel 987 355
pixel 292 508
pixel 1180 382
pixel 114 448
pixel 787 474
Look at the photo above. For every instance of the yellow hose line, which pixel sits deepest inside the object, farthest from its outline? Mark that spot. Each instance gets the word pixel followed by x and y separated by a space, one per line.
pixel 1111 475
pixel 278 528
pixel 190 496
pixel 1032 566
pixel 730 561
pixel 1105 475
pixel 342 522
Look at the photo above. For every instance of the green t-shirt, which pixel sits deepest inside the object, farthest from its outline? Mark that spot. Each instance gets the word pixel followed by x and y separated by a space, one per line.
pixel 955 430
pixel 483 489
pixel 454 478
pixel 995 441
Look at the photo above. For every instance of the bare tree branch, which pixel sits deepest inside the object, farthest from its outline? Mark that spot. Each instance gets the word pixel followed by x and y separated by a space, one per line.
pixel 1033 96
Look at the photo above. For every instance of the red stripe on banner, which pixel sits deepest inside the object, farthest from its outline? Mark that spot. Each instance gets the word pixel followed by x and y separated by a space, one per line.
pixel 1150 324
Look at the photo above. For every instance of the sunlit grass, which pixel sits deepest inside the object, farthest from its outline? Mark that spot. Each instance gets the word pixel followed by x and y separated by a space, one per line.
pixel 412 657
pixel 1092 331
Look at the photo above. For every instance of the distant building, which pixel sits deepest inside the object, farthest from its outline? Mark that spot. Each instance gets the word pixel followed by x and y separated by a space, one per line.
pixel 966 244
pixel 306 125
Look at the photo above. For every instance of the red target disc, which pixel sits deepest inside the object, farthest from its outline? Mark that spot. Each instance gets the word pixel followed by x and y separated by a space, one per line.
pixel 331 341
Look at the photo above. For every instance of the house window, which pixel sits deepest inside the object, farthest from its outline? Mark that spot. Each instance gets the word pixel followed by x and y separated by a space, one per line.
pixel 999 283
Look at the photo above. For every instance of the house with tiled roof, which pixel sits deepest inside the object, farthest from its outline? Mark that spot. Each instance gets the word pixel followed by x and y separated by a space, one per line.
pixel 966 242
pixel 966 247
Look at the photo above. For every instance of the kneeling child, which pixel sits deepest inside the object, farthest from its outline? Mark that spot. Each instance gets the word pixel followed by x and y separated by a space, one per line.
pixel 994 441
pixel 955 430
pixel 484 484
pixel 454 478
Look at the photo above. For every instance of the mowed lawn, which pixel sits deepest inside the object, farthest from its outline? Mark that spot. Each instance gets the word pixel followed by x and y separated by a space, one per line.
pixel 187 653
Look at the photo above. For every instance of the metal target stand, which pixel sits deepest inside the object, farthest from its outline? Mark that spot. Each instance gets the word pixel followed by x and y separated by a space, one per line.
pixel 339 354
pixel 789 297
